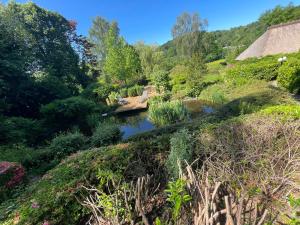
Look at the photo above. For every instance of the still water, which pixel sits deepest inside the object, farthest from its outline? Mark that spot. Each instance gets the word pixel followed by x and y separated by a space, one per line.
pixel 132 123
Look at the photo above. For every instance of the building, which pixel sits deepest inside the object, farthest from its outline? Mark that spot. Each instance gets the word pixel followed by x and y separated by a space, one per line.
pixel 282 38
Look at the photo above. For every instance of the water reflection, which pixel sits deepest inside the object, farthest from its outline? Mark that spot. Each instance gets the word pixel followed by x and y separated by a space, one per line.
pixel 132 123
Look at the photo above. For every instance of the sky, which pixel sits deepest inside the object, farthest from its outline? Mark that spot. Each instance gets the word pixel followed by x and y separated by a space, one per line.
pixel 151 21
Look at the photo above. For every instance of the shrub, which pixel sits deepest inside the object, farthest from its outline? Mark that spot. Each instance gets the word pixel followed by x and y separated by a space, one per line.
pixel 168 112
pixel 66 113
pixel 181 150
pixel 54 193
pixel 159 98
pixel 139 89
pixel 262 69
pixel 105 133
pixel 20 130
pixel 289 75
pixel 11 175
pixel 113 98
pixel 132 91
pixel 284 111
pixel 124 92
pixel 66 144
pixel 218 98
pixel 97 92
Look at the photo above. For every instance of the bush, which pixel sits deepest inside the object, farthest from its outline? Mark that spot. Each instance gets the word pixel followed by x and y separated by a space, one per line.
pixel 54 193
pixel 168 112
pixel 20 130
pixel 105 133
pixel 139 90
pixel 261 69
pixel 284 111
pixel 66 144
pixel 181 150
pixel 66 113
pixel 132 92
pixel 124 92
pixel 289 75
pixel 97 92
pixel 113 98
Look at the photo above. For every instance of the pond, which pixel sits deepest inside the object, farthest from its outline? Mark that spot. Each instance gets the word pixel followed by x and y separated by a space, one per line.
pixel 132 123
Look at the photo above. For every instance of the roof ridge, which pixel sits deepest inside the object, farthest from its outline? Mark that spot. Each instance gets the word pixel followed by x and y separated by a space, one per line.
pixel 284 24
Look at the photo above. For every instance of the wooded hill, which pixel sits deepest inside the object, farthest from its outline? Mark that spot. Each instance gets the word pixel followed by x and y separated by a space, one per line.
pixel 222 43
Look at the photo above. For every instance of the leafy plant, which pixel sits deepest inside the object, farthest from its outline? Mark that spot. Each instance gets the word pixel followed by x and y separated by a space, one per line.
pixel 295 204
pixel 177 196
pixel 124 92
pixel 165 113
pixel 105 133
pixel 113 97
pixel 289 75
pixel 181 150
pixel 67 143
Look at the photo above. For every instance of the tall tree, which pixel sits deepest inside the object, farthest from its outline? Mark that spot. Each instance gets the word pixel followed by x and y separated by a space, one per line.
pixel 98 36
pixel 37 61
pixel 187 33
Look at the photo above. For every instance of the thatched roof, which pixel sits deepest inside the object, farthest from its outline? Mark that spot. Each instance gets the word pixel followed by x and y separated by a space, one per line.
pixel 282 38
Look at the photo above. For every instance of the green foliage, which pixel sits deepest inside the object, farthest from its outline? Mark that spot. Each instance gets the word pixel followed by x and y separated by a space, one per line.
pixel 66 113
pixel 159 98
pixel 289 75
pixel 36 161
pixel 122 63
pixel 284 111
pixel 161 80
pixel 135 90
pixel 20 130
pixel 67 143
pixel 124 92
pixel 105 133
pixel 165 113
pixel 265 69
pixel 56 192
pixel 42 43
pixel 97 92
pixel 181 152
pixel 113 98
pixel 295 205
pixel 177 196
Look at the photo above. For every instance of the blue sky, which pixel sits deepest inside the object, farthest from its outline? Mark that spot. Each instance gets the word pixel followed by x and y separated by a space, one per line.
pixel 152 20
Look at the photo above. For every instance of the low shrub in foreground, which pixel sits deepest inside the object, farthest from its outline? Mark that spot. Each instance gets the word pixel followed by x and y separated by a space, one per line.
pixel 53 198
pixel 181 152
pixel 66 144
pixel 105 133
pixel 289 75
pixel 165 113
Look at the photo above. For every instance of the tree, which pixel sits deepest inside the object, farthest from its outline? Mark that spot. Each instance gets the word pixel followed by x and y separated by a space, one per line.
pixel 122 62
pixel 37 60
pixel 187 33
pixel 97 35
pixel 161 81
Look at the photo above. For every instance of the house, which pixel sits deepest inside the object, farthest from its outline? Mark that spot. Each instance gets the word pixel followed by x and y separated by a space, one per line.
pixel 282 38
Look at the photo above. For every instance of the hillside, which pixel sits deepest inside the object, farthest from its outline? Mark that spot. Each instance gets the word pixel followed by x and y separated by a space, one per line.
pixel 240 38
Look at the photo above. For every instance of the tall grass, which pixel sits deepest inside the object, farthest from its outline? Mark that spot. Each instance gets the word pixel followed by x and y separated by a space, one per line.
pixel 165 113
